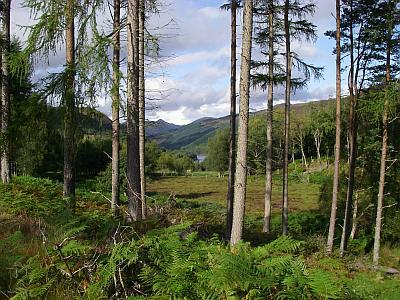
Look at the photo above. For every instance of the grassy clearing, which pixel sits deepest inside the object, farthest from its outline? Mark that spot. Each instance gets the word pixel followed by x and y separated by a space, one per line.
pixel 210 188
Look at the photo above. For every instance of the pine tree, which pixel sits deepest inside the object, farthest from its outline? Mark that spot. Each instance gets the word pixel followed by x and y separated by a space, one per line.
pixel 69 103
pixel 270 35
pixel 115 109
pixel 335 192
pixel 285 209
pixel 66 23
pixel 389 8
pixel 132 109
pixel 241 158
pixel 142 107
pixel 233 6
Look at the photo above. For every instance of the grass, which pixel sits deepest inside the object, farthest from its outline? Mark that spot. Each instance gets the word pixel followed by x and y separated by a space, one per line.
pixel 213 189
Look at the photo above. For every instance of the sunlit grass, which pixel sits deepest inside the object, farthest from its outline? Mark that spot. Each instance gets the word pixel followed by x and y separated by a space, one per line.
pixel 210 188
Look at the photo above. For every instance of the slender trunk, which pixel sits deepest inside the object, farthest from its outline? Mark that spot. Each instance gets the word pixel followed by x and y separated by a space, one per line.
pixel 142 116
pixel 385 121
pixel 352 141
pixel 133 161
pixel 378 224
pixel 303 154
pixel 115 109
pixel 317 140
pixel 285 209
pixel 292 152
pixel 355 219
pixel 1 105
pixel 241 158
pixel 232 125
pixel 270 105
pixel 5 91
pixel 335 191
pixel 69 105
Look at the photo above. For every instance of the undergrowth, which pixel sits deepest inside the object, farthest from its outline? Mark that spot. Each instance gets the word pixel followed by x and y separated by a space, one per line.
pixel 50 251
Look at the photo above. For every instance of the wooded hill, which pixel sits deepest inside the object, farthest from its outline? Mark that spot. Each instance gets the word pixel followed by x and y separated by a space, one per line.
pixel 194 136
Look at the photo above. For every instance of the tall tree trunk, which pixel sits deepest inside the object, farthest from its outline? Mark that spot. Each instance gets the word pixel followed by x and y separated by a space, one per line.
pixel 335 191
pixel 69 105
pixel 115 109
pixel 5 92
pixel 352 142
pixel 385 121
pixel 142 107
pixel 285 209
pixel 232 125
pixel 241 158
pixel 270 107
pixel 133 160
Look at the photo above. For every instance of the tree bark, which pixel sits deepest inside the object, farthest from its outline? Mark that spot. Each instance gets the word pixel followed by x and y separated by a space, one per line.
pixel 142 107
pixel 115 110
pixel 241 158
pixel 5 93
pixel 285 209
pixel 352 142
pixel 335 191
pixel 270 107
pixel 385 121
pixel 133 160
pixel 317 140
pixel 303 154
pixel 69 105
pixel 355 217
pixel 232 125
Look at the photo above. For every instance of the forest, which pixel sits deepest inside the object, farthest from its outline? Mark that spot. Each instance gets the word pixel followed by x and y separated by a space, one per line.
pixel 292 201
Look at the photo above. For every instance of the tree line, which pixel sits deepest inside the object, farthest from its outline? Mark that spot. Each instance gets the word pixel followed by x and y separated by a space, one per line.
pixel 365 48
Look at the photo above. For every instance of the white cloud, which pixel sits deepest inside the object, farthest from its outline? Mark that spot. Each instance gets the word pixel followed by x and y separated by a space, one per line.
pixel 199 43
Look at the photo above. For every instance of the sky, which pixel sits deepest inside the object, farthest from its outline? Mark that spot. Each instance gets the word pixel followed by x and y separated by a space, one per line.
pixel 191 80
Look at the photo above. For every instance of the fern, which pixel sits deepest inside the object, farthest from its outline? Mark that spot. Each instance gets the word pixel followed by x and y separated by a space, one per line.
pixel 323 285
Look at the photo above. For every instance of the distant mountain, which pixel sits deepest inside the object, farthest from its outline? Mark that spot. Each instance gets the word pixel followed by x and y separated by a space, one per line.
pixel 193 137
pixel 156 128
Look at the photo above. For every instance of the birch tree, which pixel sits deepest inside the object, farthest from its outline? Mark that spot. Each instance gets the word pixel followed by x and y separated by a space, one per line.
pixel 5 91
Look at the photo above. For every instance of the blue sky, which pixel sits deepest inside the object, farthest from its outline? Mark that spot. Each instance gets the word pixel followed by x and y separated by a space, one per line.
pixel 192 79
pixel 197 77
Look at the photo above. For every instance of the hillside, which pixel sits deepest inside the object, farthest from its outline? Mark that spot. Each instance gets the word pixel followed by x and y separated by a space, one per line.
pixel 193 137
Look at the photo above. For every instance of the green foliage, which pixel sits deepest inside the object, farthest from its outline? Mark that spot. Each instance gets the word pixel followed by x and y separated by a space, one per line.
pixel 92 156
pixel 217 151
pixel 32 196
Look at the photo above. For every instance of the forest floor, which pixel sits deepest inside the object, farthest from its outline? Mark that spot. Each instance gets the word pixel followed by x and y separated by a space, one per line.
pixel 36 222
